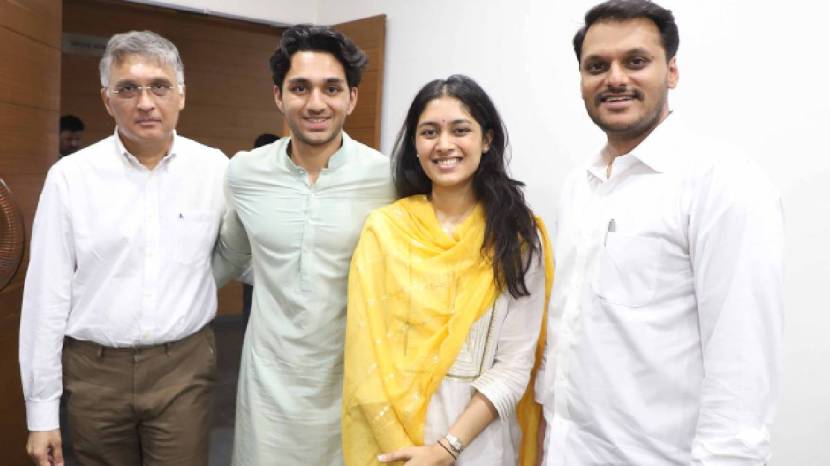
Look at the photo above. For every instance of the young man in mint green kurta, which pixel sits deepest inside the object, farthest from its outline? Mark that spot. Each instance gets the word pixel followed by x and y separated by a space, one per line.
pixel 295 211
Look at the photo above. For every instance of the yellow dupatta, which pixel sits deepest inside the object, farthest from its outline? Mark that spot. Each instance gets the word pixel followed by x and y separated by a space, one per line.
pixel 414 293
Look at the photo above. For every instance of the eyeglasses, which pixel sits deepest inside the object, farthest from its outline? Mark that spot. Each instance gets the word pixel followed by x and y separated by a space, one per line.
pixel 129 91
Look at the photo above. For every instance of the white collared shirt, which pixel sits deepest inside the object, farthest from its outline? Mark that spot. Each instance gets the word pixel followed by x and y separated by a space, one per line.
pixel 120 256
pixel 667 309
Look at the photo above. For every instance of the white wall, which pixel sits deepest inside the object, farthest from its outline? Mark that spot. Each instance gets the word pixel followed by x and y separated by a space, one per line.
pixel 758 81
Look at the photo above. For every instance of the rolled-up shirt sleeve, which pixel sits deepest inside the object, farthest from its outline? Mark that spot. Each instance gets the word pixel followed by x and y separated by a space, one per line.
pixel 736 240
pixel 47 299
pixel 506 381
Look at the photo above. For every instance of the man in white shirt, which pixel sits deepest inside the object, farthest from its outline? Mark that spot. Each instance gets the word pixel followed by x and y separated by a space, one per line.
pixel 667 307
pixel 119 289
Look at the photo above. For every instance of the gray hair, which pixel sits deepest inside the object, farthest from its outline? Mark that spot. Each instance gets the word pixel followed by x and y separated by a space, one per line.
pixel 146 44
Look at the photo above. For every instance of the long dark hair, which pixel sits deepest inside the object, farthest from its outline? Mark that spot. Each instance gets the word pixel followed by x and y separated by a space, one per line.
pixel 510 237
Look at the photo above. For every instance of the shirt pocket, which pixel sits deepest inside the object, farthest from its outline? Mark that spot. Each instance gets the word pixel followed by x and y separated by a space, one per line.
pixel 195 235
pixel 628 269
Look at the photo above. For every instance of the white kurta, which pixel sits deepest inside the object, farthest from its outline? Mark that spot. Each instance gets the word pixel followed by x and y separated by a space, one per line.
pixel 496 360
pixel 299 238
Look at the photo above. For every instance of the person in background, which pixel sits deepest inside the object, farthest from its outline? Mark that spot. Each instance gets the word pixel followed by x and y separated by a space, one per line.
pixel 667 310
pixel 447 292
pixel 71 133
pixel 265 139
pixel 295 209
pixel 119 291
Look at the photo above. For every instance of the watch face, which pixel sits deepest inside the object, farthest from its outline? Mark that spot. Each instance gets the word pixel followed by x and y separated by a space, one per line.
pixel 455 443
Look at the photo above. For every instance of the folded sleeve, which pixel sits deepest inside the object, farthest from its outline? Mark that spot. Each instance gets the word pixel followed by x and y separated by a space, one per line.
pixel 506 381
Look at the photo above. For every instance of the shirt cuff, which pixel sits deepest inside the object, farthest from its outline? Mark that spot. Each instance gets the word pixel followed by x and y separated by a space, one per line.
pixel 747 447
pixel 497 393
pixel 43 415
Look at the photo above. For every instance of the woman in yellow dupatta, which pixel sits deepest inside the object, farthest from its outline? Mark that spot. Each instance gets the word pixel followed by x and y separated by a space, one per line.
pixel 448 289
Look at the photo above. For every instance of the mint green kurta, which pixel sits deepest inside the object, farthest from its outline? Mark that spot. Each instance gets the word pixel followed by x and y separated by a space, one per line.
pixel 299 238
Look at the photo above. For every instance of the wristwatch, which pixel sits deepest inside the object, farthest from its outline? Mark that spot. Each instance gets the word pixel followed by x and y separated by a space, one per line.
pixel 454 443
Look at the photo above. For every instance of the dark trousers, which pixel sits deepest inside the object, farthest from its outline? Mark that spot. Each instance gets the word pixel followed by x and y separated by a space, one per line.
pixel 140 406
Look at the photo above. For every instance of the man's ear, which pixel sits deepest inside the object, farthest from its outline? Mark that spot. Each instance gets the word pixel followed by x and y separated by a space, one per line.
pixel 181 101
pixel 105 97
pixel 674 74
pixel 352 99
pixel 278 97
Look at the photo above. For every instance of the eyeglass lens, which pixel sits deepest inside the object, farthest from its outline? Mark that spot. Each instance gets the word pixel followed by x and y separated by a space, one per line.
pixel 128 91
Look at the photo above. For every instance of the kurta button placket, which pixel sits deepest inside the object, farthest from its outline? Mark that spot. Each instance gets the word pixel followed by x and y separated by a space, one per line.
pixel 307 245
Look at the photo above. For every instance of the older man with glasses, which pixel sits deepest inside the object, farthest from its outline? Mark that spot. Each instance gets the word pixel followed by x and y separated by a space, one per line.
pixel 119 290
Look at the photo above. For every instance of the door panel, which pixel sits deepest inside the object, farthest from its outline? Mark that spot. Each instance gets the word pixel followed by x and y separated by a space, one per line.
pixel 29 92
pixel 370 35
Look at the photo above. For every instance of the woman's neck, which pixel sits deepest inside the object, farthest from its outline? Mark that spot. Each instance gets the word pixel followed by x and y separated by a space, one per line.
pixel 452 206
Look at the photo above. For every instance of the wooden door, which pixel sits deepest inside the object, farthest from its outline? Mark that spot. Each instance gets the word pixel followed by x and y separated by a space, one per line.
pixel 30 34
pixel 370 35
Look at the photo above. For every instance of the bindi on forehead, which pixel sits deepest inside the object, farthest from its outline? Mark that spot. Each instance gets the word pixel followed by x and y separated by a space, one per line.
pixel 444 121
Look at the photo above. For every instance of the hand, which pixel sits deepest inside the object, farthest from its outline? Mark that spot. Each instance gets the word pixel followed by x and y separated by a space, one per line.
pixel 432 455
pixel 45 448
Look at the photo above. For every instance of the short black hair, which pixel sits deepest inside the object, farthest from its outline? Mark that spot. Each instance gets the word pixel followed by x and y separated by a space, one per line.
pixel 264 139
pixel 71 123
pixel 322 39
pixel 620 10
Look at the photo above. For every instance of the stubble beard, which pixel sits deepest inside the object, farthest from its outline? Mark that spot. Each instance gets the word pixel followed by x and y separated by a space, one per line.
pixel 634 129
pixel 301 137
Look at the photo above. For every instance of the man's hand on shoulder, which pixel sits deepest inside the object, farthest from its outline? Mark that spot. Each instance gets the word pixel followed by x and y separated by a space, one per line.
pixel 45 448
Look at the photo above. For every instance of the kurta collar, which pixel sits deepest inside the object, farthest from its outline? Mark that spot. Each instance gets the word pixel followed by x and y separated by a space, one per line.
pixel 337 159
